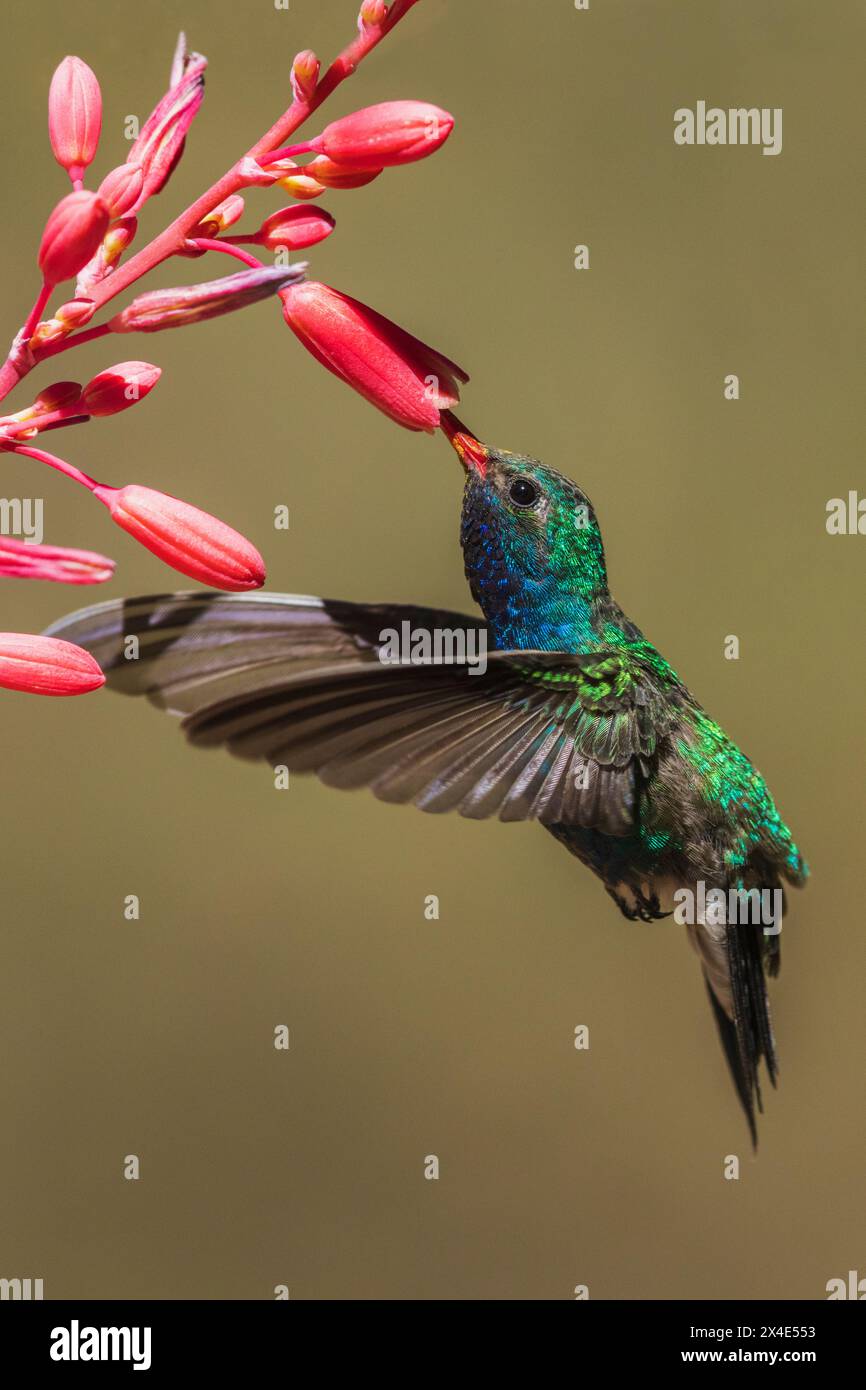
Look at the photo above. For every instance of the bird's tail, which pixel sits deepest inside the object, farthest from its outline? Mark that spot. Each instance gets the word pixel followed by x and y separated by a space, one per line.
pixel 735 960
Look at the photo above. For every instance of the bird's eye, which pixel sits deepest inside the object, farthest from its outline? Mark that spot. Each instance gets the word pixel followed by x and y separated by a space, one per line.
pixel 523 492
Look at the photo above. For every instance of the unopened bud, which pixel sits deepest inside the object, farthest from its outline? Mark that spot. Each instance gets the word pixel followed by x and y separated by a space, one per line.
pixel 294 228
pixel 46 666
pixel 120 189
pixel 372 14
pixel 332 175
pixel 190 540
pixel 393 132
pixel 72 233
pixel 223 216
pixel 297 182
pixel 305 75
pixel 159 309
pixel 74 115
pixel 119 387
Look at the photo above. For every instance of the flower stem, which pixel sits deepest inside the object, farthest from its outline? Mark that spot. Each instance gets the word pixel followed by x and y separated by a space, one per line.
pixel 87 335
pixel 204 243
pixel 36 312
pixel 287 152
pixel 68 469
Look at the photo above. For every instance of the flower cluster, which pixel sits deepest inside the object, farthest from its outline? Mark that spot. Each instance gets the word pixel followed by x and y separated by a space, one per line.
pixel 85 243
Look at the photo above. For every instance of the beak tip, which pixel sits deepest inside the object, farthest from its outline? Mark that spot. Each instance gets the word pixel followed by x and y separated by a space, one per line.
pixel 471 452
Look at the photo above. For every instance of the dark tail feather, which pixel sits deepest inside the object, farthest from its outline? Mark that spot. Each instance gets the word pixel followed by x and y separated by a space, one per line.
pixel 752 1029
pixel 742 1082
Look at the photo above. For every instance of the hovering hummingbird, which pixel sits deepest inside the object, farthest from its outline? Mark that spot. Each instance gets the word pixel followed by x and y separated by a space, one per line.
pixel 576 720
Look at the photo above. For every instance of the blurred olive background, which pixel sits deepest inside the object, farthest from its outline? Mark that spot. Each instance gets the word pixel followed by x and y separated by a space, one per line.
pixel 306 907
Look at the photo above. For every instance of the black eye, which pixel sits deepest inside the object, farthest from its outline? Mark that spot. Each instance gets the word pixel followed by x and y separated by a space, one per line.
pixel 523 492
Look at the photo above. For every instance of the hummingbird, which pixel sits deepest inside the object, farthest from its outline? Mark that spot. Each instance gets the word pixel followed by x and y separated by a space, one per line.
pixel 576 721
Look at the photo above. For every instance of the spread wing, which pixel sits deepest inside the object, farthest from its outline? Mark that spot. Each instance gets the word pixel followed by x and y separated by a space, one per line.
pixel 301 682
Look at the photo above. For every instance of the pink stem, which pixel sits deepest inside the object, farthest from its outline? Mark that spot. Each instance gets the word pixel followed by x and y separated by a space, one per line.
pixel 75 340
pixel 61 465
pixel 204 243
pixel 36 312
pixel 288 152
pixel 12 428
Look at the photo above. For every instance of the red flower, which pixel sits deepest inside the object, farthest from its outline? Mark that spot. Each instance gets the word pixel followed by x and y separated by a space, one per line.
pixel 46 666
pixel 293 228
pixel 22 560
pixel 186 538
pixel 394 132
pixel 119 387
pixel 402 376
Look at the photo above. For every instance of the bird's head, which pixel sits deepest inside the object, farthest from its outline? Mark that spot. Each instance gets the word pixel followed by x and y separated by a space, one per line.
pixel 529 534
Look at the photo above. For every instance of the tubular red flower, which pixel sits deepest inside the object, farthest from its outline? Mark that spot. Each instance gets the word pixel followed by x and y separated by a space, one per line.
pixel 159 309
pixel 74 115
pixel 190 540
pixel 119 387
pixel 46 666
pixel 59 564
pixel 294 228
pixel 403 377
pixel 394 132
pixel 72 234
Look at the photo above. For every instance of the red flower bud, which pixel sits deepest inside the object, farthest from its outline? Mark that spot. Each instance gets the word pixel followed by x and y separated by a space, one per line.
pixel 297 183
pixel 397 373
pixel 158 309
pixel 394 132
pixel 46 666
pixel 186 538
pixel 75 313
pixel 119 387
pixel 22 560
pixel 121 188
pixel 72 233
pixel 305 75
pixel 119 235
pixel 371 14
pixel 160 143
pixel 294 228
pixel 56 396
pixel 223 216
pixel 333 175
pixel 74 116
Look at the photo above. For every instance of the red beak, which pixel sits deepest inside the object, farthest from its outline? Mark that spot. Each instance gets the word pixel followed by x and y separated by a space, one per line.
pixel 471 452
